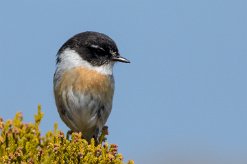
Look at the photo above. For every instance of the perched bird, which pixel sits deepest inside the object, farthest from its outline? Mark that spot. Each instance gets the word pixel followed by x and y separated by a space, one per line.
pixel 84 82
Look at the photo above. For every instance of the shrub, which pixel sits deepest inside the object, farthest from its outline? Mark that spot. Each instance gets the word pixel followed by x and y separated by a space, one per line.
pixel 23 143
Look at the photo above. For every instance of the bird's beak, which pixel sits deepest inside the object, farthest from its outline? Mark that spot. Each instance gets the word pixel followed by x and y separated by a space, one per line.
pixel 120 59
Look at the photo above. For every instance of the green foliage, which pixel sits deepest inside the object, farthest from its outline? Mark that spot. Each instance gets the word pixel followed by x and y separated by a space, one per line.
pixel 22 143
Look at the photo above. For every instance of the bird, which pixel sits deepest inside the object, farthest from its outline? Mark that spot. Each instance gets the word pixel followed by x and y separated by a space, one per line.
pixel 83 82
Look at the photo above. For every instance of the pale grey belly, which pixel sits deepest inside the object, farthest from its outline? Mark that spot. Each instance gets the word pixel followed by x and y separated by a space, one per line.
pixel 83 112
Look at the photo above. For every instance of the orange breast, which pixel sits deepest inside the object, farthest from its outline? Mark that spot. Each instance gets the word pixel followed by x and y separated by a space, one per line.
pixel 84 80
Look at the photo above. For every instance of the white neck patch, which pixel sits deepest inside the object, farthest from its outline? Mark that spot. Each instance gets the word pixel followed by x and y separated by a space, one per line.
pixel 70 59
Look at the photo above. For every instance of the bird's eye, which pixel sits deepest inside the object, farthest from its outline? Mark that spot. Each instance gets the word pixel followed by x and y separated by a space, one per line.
pixel 97 47
pixel 113 53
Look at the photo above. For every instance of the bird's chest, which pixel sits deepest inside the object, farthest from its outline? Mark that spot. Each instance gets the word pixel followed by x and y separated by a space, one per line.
pixel 84 81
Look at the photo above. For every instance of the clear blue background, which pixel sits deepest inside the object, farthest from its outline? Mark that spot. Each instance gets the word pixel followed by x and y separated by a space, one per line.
pixel 184 96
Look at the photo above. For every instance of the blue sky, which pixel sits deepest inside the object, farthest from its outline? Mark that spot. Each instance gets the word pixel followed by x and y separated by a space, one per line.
pixel 184 95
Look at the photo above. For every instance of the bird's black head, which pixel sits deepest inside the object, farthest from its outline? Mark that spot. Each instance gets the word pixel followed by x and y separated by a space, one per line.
pixel 96 48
